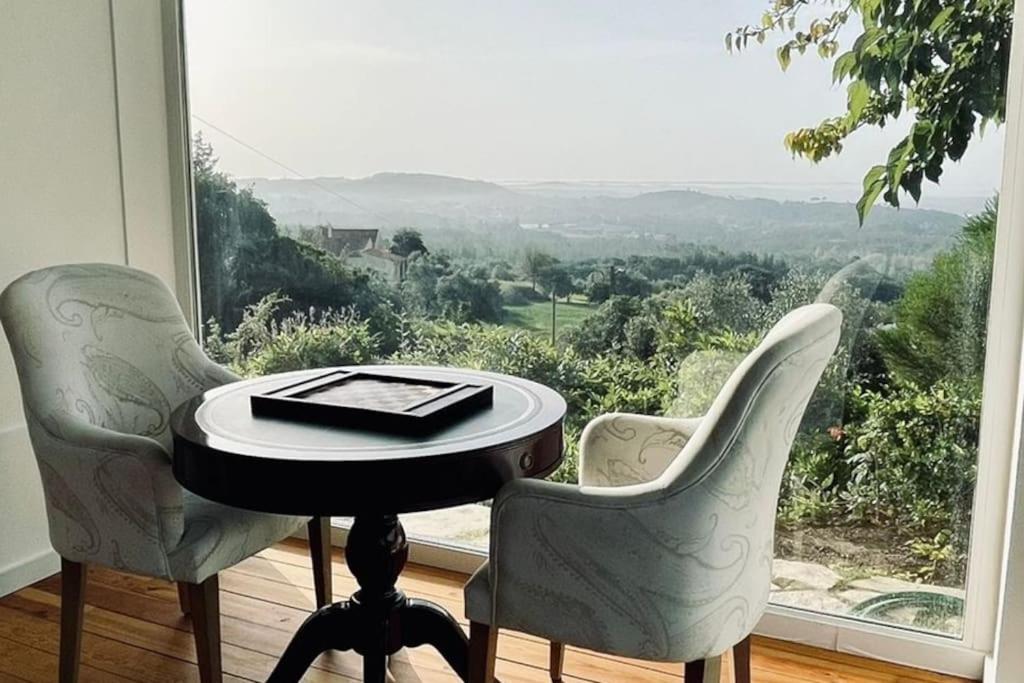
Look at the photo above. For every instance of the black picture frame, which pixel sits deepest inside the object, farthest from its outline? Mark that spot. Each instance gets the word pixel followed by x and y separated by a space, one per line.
pixel 450 402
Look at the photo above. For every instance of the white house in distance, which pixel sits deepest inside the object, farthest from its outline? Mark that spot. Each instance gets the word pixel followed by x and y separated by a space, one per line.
pixel 360 245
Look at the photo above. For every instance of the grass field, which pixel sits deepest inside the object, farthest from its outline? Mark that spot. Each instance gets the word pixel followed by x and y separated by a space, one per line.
pixel 536 317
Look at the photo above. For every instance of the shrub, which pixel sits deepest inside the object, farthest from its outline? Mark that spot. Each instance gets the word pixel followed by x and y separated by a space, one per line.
pixel 497 349
pixel 724 302
pixel 906 460
pixel 816 476
pixel 519 295
pixel 301 343
pixel 605 328
pixel 913 456
pixel 262 344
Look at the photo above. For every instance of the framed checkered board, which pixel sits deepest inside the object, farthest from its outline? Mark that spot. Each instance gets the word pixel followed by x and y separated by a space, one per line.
pixel 376 401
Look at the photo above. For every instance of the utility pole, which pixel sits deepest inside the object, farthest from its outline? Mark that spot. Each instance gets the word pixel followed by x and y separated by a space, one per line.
pixel 552 316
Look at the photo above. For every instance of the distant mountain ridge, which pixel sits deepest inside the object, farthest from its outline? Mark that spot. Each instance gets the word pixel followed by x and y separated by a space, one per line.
pixel 431 202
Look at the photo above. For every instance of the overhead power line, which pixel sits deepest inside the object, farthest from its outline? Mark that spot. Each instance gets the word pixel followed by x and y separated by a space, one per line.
pixel 289 169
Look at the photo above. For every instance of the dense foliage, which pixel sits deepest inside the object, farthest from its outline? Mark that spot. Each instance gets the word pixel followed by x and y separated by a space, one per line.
pixel 889 437
pixel 944 63
pixel 941 316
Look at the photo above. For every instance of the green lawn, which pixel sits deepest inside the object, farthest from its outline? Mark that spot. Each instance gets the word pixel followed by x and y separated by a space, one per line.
pixel 536 317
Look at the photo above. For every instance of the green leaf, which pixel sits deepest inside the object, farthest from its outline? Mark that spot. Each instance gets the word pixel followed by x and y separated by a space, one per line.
pixel 844 66
pixel 902 46
pixel 859 94
pixel 921 134
pixel 874 183
pixel 784 57
pixel 899 159
pixel 941 18
pixel 911 182
pixel 868 40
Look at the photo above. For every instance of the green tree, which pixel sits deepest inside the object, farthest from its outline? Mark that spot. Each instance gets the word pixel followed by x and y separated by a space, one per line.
pixel 941 319
pixel 943 62
pixel 408 241
pixel 462 298
pixel 535 262
pixel 605 330
pixel 555 281
pixel 434 289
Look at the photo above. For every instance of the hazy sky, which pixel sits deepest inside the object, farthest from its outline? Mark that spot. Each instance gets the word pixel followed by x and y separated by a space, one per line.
pixel 561 89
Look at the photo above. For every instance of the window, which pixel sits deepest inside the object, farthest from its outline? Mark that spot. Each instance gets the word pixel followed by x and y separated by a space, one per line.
pixel 602 202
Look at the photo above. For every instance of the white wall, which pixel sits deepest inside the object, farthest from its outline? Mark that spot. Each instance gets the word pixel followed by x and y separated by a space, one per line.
pixel 63 136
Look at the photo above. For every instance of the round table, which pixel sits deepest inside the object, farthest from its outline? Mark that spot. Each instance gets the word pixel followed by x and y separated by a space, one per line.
pixel 224 453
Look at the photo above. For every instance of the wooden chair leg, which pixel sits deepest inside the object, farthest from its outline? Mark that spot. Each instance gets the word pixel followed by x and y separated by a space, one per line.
pixel 557 661
pixel 703 671
pixel 483 648
pixel 183 598
pixel 741 661
pixel 204 601
pixel 319 529
pixel 72 613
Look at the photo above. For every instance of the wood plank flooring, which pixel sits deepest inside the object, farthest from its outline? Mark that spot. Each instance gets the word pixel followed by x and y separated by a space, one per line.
pixel 134 631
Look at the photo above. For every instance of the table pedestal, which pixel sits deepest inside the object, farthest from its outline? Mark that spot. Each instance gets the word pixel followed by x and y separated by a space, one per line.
pixel 378 620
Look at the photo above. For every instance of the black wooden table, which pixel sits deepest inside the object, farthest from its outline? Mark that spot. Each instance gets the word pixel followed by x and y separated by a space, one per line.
pixel 223 453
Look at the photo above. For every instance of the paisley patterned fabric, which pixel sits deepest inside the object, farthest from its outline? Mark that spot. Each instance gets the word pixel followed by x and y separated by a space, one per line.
pixel 664 551
pixel 103 357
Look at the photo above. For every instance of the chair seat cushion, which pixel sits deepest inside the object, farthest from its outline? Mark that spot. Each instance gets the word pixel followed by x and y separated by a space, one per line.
pixel 478 595
pixel 218 536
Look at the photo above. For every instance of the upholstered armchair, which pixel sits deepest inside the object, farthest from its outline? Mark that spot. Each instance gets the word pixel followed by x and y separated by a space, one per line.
pixel 664 551
pixel 103 356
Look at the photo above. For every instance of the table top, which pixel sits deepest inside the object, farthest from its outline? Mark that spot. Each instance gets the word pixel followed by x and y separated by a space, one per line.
pixel 224 453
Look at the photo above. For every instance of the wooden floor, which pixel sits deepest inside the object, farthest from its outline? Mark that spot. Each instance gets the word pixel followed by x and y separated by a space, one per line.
pixel 135 632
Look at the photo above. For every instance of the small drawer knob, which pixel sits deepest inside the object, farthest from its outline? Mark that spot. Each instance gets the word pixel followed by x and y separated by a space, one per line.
pixel 526 461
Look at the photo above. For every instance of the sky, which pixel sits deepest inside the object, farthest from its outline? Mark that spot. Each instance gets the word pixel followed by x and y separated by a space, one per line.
pixel 639 90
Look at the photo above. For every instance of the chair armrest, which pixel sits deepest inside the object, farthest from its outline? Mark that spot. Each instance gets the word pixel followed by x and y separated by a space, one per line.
pixel 619 449
pixel 525 507
pixel 149 452
pixel 637 571
pixel 565 560
pixel 522 502
pixel 129 475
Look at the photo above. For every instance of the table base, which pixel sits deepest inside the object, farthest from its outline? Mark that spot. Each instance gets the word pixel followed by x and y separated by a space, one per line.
pixel 378 620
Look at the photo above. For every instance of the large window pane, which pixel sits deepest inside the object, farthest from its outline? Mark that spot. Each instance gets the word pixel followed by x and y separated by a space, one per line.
pixel 601 200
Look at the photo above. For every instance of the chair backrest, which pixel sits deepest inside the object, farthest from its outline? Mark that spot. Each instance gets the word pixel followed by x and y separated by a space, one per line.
pixel 104 344
pixel 714 506
pixel 750 426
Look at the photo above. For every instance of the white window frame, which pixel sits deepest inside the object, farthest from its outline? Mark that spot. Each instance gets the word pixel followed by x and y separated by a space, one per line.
pixel 999 428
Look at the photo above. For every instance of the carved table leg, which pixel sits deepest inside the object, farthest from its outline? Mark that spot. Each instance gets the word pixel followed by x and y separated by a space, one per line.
pixel 424 623
pixel 329 628
pixel 378 620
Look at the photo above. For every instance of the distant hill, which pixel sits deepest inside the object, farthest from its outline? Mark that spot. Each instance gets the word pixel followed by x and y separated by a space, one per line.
pixel 428 184
pixel 698 206
pixel 435 202
pixel 393 186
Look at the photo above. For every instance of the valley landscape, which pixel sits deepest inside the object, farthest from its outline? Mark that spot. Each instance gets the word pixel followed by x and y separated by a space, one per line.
pixel 590 220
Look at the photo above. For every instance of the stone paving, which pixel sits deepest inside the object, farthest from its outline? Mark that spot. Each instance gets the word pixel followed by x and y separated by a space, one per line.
pixel 802 585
